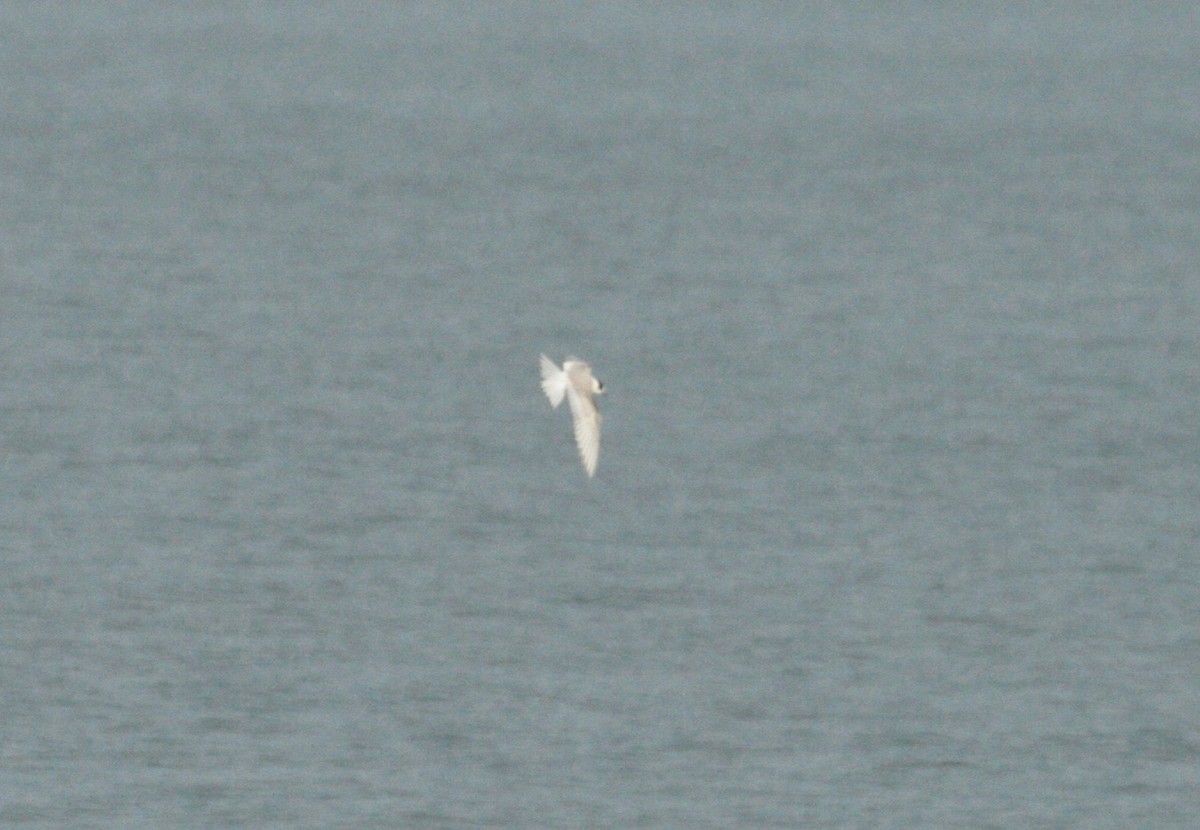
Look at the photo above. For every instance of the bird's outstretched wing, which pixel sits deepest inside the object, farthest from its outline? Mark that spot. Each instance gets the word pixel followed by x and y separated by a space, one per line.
pixel 587 428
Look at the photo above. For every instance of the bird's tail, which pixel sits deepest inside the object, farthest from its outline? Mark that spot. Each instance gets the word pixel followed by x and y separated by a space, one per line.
pixel 554 381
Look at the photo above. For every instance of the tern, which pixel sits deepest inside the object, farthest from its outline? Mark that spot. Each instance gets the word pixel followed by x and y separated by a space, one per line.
pixel 575 380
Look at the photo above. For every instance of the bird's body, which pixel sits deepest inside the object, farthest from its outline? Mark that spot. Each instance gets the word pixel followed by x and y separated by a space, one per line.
pixel 576 382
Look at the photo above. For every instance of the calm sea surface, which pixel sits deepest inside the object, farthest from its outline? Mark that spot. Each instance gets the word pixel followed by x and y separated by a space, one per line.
pixel 897 519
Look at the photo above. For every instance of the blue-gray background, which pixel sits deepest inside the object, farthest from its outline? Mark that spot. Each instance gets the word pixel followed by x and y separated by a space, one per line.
pixel 898 509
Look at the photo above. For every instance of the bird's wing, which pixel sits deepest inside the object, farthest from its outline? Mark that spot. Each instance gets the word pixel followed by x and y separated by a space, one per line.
pixel 587 428
pixel 554 381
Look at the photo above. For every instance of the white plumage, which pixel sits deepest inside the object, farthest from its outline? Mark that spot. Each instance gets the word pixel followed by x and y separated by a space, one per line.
pixel 575 381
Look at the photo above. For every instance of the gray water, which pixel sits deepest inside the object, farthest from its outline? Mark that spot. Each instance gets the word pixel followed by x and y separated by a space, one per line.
pixel 896 522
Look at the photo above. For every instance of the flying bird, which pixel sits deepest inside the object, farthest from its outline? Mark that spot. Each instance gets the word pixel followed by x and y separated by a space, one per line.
pixel 575 380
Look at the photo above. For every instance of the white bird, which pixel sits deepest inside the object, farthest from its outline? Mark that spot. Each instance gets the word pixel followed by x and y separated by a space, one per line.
pixel 575 380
